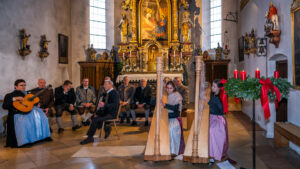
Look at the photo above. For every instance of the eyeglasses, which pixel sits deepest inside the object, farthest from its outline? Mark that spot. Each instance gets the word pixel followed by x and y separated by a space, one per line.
pixel 22 85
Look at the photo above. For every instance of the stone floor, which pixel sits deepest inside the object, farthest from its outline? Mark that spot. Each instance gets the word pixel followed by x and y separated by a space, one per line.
pixel 58 154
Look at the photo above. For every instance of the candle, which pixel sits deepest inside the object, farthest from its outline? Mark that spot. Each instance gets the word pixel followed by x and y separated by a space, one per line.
pixel 243 75
pixel 226 46
pixel 236 74
pixel 130 54
pixel 257 74
pixel 123 57
pixel 174 58
pixel 276 74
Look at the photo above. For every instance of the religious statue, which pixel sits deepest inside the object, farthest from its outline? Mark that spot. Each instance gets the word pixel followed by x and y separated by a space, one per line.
pixel 272 27
pixel 186 28
pixel 44 43
pixel 218 52
pixel 92 53
pixel 246 44
pixel 24 39
pixel 44 47
pixel 272 18
pixel 123 26
pixel 24 47
pixel 127 4
pixel 252 42
pixel 151 59
pixel 185 4
pixel 206 55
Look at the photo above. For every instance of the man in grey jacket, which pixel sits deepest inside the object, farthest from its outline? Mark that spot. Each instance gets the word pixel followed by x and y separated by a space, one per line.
pixel 126 92
pixel 85 101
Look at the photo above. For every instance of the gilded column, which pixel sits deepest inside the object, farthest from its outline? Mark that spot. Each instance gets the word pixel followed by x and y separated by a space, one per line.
pixel 134 22
pixel 175 21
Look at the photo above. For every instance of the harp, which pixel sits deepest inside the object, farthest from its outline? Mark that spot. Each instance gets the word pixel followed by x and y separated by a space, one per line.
pixel 158 142
pixel 197 145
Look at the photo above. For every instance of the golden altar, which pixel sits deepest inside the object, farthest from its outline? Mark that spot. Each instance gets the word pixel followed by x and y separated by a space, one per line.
pixel 150 29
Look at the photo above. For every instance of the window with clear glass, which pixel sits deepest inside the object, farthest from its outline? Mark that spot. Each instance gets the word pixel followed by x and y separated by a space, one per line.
pixel 215 23
pixel 97 24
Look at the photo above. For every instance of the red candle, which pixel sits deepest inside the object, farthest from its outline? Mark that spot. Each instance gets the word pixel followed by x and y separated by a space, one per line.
pixel 226 46
pixel 236 74
pixel 257 74
pixel 243 75
pixel 276 74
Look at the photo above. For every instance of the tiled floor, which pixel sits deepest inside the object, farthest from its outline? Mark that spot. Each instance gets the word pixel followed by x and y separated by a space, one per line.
pixel 58 154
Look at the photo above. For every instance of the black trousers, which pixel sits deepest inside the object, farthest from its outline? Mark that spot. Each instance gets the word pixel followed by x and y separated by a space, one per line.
pixel 97 123
pixel 64 107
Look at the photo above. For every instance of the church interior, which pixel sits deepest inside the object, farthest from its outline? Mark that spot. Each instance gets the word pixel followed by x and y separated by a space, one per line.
pixel 149 84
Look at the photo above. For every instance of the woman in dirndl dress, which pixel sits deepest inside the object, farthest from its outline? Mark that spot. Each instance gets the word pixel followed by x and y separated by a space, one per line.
pixel 218 132
pixel 175 125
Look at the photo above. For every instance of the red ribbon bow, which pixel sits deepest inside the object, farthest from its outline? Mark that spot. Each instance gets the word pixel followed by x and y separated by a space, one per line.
pixel 266 86
pixel 224 97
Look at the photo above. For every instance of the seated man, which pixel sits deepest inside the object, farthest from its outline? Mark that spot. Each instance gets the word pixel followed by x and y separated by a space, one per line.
pixel 24 127
pixel 46 100
pixel 184 92
pixel 126 92
pixel 64 101
pixel 101 89
pixel 141 99
pixel 107 109
pixel 85 101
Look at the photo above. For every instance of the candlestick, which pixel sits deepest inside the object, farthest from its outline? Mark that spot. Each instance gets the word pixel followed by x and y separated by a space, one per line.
pixel 257 74
pixel 236 74
pixel 130 54
pixel 174 61
pixel 123 57
pixel 243 75
pixel 276 74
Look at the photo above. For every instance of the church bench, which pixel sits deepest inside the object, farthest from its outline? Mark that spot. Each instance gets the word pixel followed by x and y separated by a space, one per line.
pixel 285 132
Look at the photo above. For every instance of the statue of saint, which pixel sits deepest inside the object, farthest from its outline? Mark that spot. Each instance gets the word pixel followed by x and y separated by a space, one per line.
pixel 272 16
pixel 24 39
pixel 151 59
pixel 92 53
pixel 44 43
pixel 123 26
pixel 186 28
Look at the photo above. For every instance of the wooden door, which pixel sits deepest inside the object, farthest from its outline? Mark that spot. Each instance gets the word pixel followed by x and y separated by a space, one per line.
pixel 281 112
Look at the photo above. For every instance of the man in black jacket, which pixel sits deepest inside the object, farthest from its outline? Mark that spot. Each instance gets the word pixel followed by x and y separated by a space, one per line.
pixel 107 108
pixel 142 98
pixel 64 101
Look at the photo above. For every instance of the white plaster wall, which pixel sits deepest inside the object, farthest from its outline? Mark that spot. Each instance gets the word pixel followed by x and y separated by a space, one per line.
pixel 253 16
pixel 79 37
pixel 37 17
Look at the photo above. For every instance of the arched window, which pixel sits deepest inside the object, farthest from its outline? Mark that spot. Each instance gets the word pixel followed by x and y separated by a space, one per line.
pixel 215 23
pixel 97 24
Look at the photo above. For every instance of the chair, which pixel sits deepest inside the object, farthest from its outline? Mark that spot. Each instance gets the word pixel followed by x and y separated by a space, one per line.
pixel 114 121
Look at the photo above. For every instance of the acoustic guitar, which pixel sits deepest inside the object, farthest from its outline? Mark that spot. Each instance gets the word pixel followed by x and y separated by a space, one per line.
pixel 29 101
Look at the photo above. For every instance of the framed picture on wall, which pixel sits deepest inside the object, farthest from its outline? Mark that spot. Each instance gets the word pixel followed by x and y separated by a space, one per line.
pixel 295 14
pixel 241 48
pixel 62 49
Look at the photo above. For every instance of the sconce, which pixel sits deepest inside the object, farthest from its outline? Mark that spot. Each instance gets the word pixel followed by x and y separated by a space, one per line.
pixel 232 17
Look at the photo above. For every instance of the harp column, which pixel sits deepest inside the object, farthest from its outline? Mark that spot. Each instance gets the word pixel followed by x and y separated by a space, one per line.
pixel 159 70
pixel 196 124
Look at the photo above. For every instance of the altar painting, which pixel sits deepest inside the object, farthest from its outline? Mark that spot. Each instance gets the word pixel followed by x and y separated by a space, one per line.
pixel 154 19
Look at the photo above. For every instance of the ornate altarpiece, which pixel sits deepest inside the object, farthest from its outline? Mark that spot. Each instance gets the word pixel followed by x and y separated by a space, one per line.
pixel 154 32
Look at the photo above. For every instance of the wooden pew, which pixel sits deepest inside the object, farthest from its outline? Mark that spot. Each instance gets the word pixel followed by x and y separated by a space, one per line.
pixel 285 132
